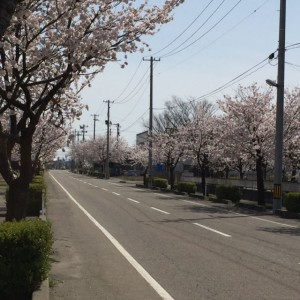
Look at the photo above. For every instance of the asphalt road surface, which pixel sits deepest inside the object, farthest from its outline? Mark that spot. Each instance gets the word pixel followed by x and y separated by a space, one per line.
pixel 116 241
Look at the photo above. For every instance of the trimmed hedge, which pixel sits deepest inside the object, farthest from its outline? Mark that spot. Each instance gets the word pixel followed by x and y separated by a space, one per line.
pixel 292 202
pixel 187 187
pixel 160 182
pixel 228 192
pixel 25 247
pixel 35 198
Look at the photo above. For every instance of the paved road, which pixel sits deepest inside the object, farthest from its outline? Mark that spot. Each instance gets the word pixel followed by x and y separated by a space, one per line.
pixel 115 241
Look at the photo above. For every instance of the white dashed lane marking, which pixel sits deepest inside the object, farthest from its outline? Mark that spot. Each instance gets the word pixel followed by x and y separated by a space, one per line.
pixel 162 211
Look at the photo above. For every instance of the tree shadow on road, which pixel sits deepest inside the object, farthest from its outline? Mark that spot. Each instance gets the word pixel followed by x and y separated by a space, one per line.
pixel 282 230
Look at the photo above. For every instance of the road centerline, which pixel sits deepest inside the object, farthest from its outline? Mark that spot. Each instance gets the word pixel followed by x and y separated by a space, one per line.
pixel 133 200
pixel 162 211
pixel 213 230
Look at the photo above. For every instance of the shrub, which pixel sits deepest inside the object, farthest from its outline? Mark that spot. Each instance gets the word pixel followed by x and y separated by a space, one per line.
pixel 35 199
pixel 227 192
pixel 160 182
pixel 187 187
pixel 24 257
pixel 292 202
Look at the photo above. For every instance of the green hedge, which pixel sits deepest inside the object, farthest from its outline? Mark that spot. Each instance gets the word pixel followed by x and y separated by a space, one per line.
pixel 187 187
pixel 292 202
pixel 160 182
pixel 25 247
pixel 227 192
pixel 35 198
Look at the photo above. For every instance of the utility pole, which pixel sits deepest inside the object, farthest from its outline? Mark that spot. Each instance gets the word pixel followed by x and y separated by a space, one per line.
pixel 82 127
pixel 118 130
pixel 95 120
pixel 77 133
pixel 108 123
pixel 150 120
pixel 277 193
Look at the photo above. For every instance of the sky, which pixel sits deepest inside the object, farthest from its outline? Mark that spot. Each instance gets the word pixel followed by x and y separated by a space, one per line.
pixel 199 51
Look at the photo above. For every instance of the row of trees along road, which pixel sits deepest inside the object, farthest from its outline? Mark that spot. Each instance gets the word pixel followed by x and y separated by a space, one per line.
pixel 51 51
pixel 237 134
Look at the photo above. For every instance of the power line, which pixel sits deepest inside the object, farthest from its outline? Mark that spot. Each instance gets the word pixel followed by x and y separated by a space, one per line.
pixel 218 38
pixel 204 34
pixel 141 82
pixel 196 31
pixel 129 82
pixel 175 39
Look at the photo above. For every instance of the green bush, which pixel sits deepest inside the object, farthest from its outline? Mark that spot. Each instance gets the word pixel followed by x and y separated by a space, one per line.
pixel 25 247
pixel 228 192
pixel 187 187
pixel 292 202
pixel 160 182
pixel 35 198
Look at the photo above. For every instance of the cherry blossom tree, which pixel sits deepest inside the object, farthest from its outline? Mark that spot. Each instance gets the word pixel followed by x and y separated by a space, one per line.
pixel 292 131
pixel 50 52
pixel 200 133
pixel 169 148
pixel 249 122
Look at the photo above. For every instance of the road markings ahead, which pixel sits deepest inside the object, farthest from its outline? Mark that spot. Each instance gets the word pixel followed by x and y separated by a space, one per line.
pixel 163 195
pixel 133 200
pixel 213 230
pixel 162 211
pixel 115 193
pixel 104 189
pixel 151 281
pixel 196 203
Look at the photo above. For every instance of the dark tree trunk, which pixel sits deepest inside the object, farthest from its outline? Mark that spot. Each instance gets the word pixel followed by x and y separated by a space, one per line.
pixel 260 182
pixel 145 176
pixel 19 187
pixel 7 9
pixel 203 179
pixel 172 178
pixel 17 200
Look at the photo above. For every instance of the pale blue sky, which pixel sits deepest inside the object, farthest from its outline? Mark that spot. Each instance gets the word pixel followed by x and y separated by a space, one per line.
pixel 246 36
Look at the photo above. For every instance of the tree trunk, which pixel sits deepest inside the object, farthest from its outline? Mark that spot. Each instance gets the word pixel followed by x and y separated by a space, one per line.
pixel 145 176
pixel 17 200
pixel 19 187
pixel 7 8
pixel 203 179
pixel 172 178
pixel 260 182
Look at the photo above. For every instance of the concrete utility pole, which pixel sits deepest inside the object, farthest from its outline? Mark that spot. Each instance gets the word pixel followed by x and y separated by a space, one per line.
pixel 150 120
pixel 95 120
pixel 118 130
pixel 82 127
pixel 108 123
pixel 277 194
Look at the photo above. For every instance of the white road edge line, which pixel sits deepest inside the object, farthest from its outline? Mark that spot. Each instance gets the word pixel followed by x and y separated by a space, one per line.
pixel 196 203
pixel 153 283
pixel 133 200
pixel 273 222
pixel 162 211
pixel 213 230
pixel 162 195
pixel 265 220
pixel 115 193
